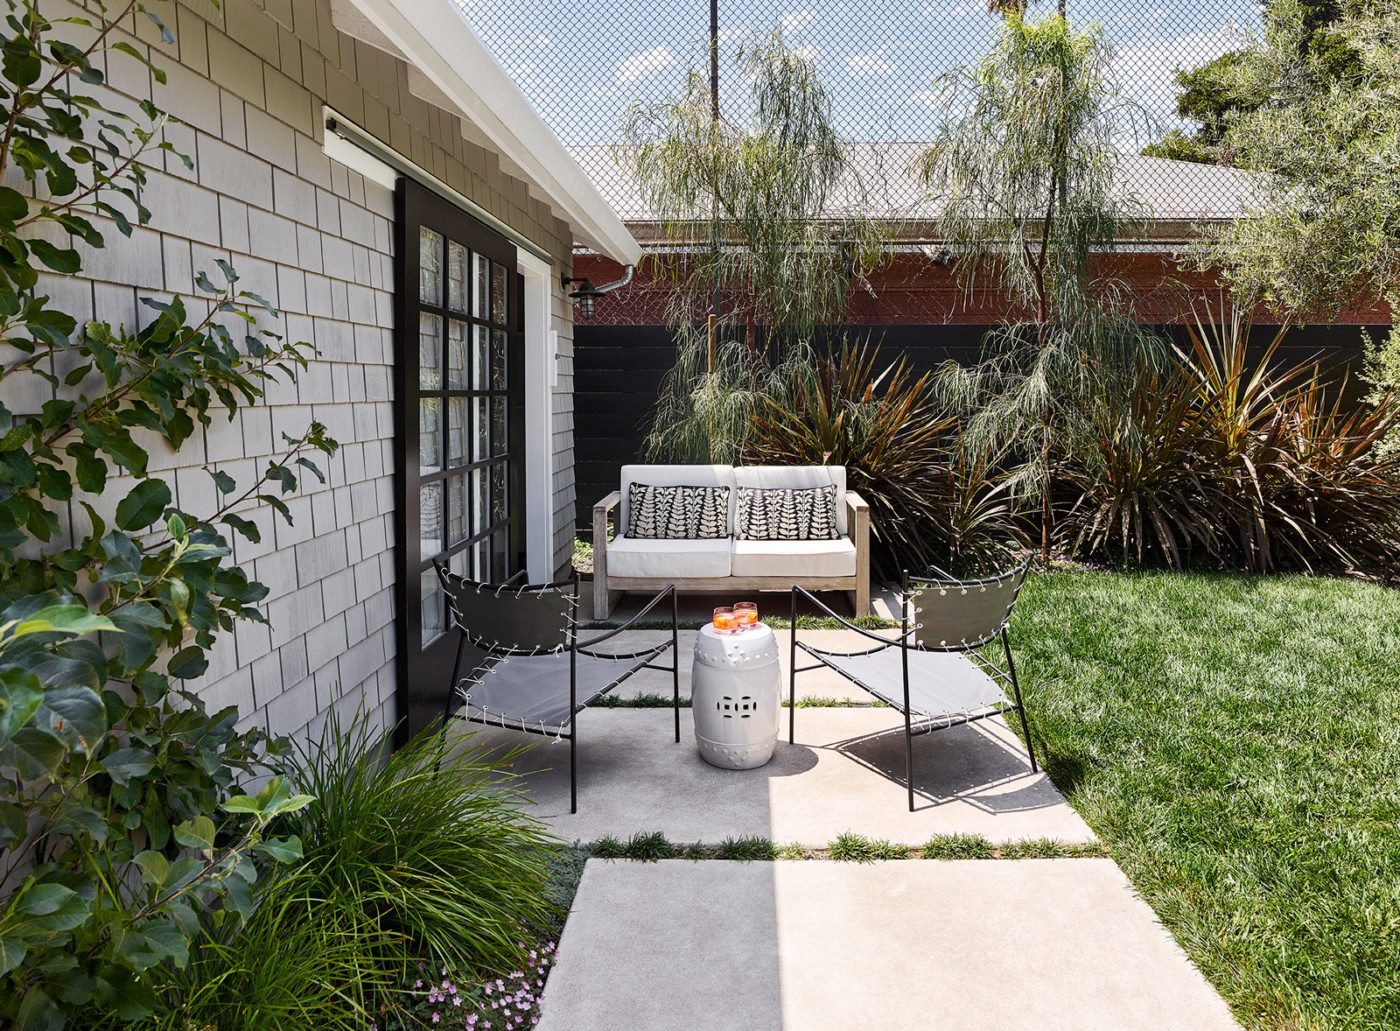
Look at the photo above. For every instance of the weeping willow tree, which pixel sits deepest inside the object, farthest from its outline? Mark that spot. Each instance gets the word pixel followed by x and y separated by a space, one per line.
pixel 763 224
pixel 1024 164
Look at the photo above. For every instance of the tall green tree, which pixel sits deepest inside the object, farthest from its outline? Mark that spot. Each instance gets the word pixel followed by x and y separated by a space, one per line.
pixel 1324 229
pixel 124 826
pixel 1025 166
pixel 1236 84
pixel 744 205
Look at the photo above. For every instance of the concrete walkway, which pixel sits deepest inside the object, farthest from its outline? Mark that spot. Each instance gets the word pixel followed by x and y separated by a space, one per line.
pixel 845 773
pixel 1033 944
pixel 817 944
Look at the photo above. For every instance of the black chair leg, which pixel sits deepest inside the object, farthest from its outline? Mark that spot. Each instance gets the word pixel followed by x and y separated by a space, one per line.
pixel 909 759
pixel 1026 730
pixel 573 767
pixel 792 672
pixel 676 663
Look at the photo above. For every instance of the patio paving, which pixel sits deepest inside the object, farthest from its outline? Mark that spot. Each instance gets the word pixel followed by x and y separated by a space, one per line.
pixel 844 774
pixel 1034 944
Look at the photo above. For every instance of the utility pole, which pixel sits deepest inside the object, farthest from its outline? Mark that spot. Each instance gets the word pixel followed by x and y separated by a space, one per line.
pixel 713 320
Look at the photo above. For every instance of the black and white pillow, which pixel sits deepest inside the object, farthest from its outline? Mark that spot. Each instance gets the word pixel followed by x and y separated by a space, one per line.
pixel 677 513
pixel 787 514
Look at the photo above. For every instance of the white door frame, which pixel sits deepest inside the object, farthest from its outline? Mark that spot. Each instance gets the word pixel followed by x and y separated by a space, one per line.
pixel 539 415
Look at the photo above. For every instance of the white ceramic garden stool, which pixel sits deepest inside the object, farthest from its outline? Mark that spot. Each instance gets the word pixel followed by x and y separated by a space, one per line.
pixel 735 696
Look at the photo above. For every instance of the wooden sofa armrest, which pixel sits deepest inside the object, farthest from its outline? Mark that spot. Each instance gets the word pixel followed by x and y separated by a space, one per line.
pixel 607 504
pixel 602 598
pixel 858 529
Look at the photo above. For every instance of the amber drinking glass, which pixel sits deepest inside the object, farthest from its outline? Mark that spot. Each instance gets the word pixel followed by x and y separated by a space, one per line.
pixel 726 621
pixel 746 612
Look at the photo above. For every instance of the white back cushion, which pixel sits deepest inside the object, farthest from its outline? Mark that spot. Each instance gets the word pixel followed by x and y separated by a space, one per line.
pixel 771 476
pixel 677 476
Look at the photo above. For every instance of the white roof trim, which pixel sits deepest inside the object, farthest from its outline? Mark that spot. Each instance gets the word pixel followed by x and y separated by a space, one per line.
pixel 499 111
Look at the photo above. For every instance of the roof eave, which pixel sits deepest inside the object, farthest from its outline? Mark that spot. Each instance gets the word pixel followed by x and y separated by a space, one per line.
pixel 500 112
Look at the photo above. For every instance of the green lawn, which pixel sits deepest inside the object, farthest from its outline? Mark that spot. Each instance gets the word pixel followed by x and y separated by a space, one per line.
pixel 1235 741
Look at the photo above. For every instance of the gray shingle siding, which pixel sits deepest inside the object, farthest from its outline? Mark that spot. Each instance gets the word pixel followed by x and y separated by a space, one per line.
pixel 314 237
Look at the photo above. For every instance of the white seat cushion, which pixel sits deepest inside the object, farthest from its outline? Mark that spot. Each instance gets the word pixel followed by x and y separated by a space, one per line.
pixel 795 559
pixel 670 559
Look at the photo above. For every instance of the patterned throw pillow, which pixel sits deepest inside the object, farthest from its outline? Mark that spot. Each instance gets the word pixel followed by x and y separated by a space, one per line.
pixel 677 513
pixel 788 514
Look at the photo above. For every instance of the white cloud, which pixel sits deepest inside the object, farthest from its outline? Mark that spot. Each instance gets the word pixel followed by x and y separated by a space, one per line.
pixel 644 63
pixel 796 21
pixel 808 52
pixel 1146 70
pixel 929 99
pixel 870 64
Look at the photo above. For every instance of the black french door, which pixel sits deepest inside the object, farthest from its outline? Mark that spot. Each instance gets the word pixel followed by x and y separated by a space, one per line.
pixel 460 433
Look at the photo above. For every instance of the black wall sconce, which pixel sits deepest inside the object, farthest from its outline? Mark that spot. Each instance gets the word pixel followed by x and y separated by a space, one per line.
pixel 585 295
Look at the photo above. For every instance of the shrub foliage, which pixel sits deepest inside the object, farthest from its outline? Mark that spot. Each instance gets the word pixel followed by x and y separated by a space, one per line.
pixel 122 828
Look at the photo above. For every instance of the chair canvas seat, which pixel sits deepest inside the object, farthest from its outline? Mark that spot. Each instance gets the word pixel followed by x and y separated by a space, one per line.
pixel 941 684
pixel 532 691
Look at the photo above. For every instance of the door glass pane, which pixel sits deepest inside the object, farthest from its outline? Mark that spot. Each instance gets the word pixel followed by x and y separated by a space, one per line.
pixel 481 560
pixel 430 520
pixel 499 349
pixel 498 426
pixel 456 276
pixel 481 359
pixel 456 430
pixel 461 562
pixel 456 355
pixel 429 266
pixel 429 435
pixel 429 352
pixel 481 286
pixel 499 544
pixel 481 501
pixel 499 503
pixel 433 620
pixel 456 509
pixel 498 293
pixel 481 430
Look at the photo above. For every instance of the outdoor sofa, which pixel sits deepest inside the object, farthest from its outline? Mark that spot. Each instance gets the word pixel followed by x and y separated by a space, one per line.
pixel 751 528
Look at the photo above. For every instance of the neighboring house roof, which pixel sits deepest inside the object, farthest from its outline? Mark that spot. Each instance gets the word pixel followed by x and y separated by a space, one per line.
pixel 1172 195
pixel 449 67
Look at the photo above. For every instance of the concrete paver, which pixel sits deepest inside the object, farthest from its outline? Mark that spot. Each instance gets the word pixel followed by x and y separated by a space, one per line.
pixel 1033 944
pixel 845 773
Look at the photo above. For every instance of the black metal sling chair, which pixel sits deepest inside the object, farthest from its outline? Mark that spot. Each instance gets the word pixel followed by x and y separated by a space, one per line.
pixel 933 672
pixel 536 675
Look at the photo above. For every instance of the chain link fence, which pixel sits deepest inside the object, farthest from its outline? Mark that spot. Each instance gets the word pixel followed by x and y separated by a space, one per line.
pixel 582 65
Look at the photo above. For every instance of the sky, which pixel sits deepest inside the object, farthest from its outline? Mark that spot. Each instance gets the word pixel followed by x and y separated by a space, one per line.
pixel 582 64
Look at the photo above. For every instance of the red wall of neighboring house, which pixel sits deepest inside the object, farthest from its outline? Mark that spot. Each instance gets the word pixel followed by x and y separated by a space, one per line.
pixel 913 290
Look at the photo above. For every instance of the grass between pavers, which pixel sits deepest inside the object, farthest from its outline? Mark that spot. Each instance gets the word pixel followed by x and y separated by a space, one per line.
pixel 851 848
pixel 1235 742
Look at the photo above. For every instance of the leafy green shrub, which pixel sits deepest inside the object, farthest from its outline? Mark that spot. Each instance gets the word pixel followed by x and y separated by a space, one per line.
pixel 123 827
pixel 929 502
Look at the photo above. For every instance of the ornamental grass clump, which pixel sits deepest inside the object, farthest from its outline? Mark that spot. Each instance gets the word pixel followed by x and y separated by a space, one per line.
pixel 932 500
pixel 426 846
pixel 1231 459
